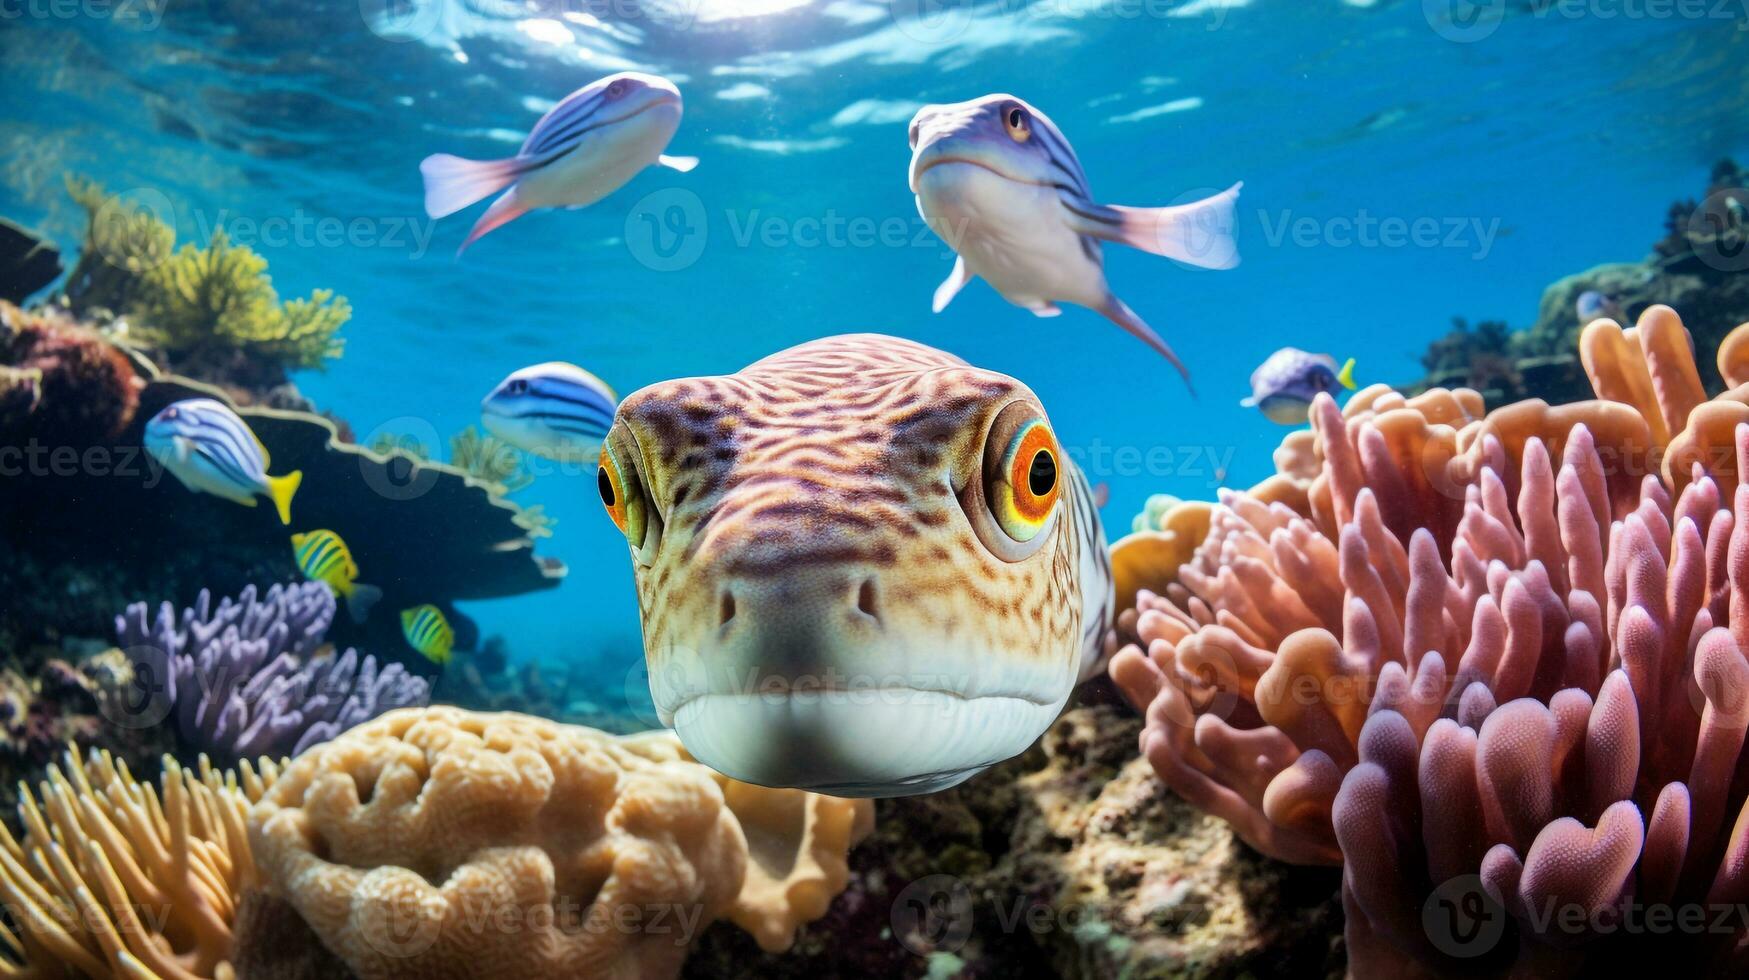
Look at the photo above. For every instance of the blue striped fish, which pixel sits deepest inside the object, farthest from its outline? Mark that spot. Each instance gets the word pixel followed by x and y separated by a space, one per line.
pixel 555 410
pixel 323 557
pixel 995 178
pixel 211 450
pixel 583 149
pixel 428 632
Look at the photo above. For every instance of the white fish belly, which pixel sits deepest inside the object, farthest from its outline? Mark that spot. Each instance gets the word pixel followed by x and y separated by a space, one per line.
pixel 199 475
pixel 603 161
pixel 1012 235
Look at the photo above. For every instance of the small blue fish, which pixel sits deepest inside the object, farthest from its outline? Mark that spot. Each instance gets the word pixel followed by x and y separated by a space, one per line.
pixel 1284 385
pixel 555 410
pixel 428 632
pixel 583 149
pixel 211 450
pixel 1594 305
pixel 323 557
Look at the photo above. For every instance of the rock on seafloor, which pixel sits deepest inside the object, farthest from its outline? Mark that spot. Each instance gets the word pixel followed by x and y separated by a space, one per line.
pixel 1069 861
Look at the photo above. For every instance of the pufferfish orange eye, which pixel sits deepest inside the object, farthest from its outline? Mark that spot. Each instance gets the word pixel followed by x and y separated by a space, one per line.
pixel 1018 126
pixel 1022 473
pixel 623 496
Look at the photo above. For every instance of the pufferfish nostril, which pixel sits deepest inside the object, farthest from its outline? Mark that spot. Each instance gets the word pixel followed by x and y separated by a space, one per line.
pixel 867 599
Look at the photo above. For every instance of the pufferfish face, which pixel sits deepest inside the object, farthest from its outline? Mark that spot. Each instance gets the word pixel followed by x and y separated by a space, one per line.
pixel 864 567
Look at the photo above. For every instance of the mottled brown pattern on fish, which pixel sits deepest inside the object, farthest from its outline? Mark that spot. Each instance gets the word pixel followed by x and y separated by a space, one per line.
pixel 847 457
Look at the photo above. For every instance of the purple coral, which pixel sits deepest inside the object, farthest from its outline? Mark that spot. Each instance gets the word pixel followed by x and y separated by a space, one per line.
pixel 248 679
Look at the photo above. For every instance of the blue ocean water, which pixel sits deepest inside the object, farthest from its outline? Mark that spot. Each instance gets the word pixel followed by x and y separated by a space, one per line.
pixel 1403 162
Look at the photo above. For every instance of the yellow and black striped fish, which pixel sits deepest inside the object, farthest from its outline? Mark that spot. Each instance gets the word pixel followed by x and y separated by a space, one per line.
pixel 323 557
pixel 428 632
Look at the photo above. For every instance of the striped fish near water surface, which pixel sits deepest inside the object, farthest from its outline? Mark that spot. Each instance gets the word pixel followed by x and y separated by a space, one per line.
pixel 210 449
pixel 428 632
pixel 585 148
pixel 554 410
pixel 995 178
pixel 323 557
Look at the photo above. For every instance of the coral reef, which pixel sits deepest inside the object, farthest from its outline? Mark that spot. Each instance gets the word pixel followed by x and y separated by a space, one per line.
pixel 249 677
pixel 485 458
pixel 605 688
pixel 582 853
pixel 113 878
pixel 57 703
pixel 61 564
pixel 123 240
pixel 1069 861
pixel 1534 618
pixel 62 384
pixel 1699 267
pixel 209 313
pixel 213 310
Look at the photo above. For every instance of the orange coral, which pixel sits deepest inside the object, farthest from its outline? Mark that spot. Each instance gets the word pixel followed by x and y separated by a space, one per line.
pixel 113 879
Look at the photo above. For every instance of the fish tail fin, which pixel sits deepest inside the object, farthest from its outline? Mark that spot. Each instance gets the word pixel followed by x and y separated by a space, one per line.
pixel 1199 233
pixel 359 600
pixel 503 211
pixel 1120 314
pixel 453 183
pixel 1345 377
pixel 281 489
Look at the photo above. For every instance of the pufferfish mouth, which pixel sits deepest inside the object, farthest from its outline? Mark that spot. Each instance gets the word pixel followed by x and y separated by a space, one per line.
pixel 795 691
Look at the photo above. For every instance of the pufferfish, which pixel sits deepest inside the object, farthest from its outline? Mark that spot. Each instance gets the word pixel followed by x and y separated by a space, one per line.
pixel 864 567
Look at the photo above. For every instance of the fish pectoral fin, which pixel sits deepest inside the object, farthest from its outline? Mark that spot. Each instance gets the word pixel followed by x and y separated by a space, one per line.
pixel 1199 233
pixel 682 164
pixel 1115 311
pixel 281 489
pixel 950 287
pixel 1047 310
pixel 1250 402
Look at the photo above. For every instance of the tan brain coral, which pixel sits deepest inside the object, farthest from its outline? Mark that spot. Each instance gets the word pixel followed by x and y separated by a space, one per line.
pixel 445 843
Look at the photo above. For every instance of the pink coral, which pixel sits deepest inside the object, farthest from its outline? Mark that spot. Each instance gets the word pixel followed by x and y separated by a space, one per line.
pixel 1463 667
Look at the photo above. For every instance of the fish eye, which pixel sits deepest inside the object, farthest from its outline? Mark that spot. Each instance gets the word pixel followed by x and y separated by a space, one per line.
pixel 1021 483
pixel 617 88
pixel 1019 128
pixel 518 385
pixel 622 493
